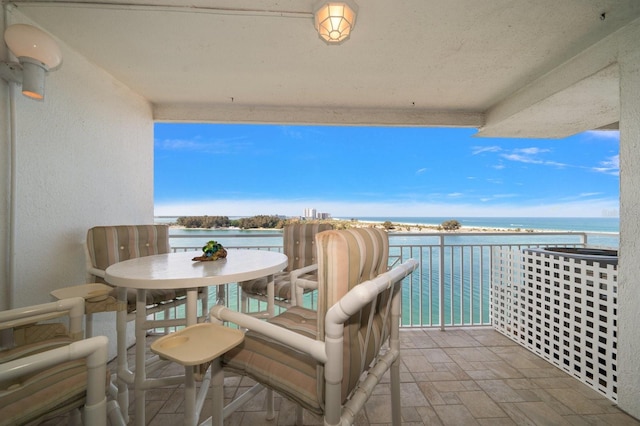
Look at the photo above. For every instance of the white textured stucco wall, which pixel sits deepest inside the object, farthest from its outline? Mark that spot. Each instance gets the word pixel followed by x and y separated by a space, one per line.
pixel 84 158
pixel 629 267
pixel 5 153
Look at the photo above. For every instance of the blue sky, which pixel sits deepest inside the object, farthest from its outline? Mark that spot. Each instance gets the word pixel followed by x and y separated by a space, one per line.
pixel 244 170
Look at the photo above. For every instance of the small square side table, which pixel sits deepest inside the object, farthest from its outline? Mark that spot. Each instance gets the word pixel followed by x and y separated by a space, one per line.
pixel 194 345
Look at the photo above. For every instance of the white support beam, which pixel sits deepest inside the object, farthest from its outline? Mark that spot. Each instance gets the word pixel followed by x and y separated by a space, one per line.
pixel 581 94
pixel 320 116
pixel 629 264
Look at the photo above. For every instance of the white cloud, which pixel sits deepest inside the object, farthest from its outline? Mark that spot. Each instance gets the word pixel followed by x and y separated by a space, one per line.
pixel 197 145
pixel 589 194
pixel 609 166
pixel 531 150
pixel 480 149
pixel 421 171
pixel 530 156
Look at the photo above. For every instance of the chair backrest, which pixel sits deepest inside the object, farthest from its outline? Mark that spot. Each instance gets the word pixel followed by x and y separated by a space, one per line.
pixel 107 245
pixel 299 243
pixel 347 258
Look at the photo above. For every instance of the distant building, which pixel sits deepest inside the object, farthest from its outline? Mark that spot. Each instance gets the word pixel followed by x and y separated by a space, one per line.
pixel 314 214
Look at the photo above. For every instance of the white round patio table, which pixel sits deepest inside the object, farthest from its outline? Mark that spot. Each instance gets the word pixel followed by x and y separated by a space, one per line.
pixel 178 271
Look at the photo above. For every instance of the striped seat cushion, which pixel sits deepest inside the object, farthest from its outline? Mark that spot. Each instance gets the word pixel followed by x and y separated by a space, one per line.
pixel 300 248
pixel 281 284
pixel 44 394
pixel 289 372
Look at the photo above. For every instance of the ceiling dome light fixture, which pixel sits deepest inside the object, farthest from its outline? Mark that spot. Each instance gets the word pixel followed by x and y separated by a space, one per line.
pixel 334 20
pixel 37 54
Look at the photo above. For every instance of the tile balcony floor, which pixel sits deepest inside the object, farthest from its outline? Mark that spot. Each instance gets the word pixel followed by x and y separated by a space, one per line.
pixel 458 377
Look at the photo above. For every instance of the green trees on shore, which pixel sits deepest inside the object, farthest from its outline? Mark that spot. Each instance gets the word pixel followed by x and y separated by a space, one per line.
pixel 253 222
pixel 451 225
pixel 204 221
pixel 207 222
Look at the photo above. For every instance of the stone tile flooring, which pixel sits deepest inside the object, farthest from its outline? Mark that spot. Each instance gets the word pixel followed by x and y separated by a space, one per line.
pixel 458 377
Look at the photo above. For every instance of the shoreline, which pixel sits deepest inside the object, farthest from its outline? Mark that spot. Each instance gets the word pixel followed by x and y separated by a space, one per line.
pixel 412 228
pixel 433 225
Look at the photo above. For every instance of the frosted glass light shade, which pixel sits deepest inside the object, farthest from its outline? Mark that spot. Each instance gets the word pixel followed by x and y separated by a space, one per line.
pixel 31 42
pixel 334 20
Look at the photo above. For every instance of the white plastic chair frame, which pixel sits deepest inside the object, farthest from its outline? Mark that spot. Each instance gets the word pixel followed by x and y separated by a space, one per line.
pixel 94 350
pixel 330 351
pixel 126 374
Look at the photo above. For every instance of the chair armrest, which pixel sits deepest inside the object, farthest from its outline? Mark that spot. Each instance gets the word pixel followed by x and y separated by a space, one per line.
pixel 72 307
pixel 304 270
pixel 362 294
pixel 304 344
pixel 96 272
pixel 302 283
pixel 94 350
pixel 298 285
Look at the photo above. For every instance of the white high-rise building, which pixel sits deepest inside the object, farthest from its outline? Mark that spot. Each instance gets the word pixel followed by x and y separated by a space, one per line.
pixel 310 213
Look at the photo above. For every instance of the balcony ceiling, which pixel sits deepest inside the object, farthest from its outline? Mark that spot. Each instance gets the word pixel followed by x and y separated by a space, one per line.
pixel 409 62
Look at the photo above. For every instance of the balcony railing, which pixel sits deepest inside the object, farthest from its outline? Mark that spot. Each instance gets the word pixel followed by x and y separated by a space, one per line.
pixel 450 288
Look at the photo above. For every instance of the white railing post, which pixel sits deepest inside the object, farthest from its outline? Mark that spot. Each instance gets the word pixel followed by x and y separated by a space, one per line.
pixel 441 283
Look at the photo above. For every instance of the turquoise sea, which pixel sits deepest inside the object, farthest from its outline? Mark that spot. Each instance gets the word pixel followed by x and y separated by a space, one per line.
pixel 467 267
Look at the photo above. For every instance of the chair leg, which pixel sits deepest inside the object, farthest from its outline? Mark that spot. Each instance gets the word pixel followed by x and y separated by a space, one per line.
pixel 204 305
pixel 271 414
pixel 299 415
pixel 123 364
pixel 114 414
pixel 396 415
pixel 75 418
pixel 88 325
pixel 244 301
pixel 271 293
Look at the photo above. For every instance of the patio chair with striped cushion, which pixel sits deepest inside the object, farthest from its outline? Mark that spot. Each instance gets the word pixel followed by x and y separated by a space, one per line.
pixel 47 370
pixel 300 277
pixel 329 360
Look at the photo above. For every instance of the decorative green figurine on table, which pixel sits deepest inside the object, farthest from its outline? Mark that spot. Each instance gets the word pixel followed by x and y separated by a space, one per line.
pixel 212 251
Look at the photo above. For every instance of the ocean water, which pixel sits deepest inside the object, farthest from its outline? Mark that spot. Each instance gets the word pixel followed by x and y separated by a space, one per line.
pixel 466 269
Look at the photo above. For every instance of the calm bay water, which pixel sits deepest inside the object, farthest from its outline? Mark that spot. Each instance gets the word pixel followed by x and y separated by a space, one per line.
pixel 420 300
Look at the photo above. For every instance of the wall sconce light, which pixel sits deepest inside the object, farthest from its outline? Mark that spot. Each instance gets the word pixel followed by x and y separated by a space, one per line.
pixel 37 54
pixel 334 20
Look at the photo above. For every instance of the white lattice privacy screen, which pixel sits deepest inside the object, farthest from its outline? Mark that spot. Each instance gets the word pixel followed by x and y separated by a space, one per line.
pixel 562 308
